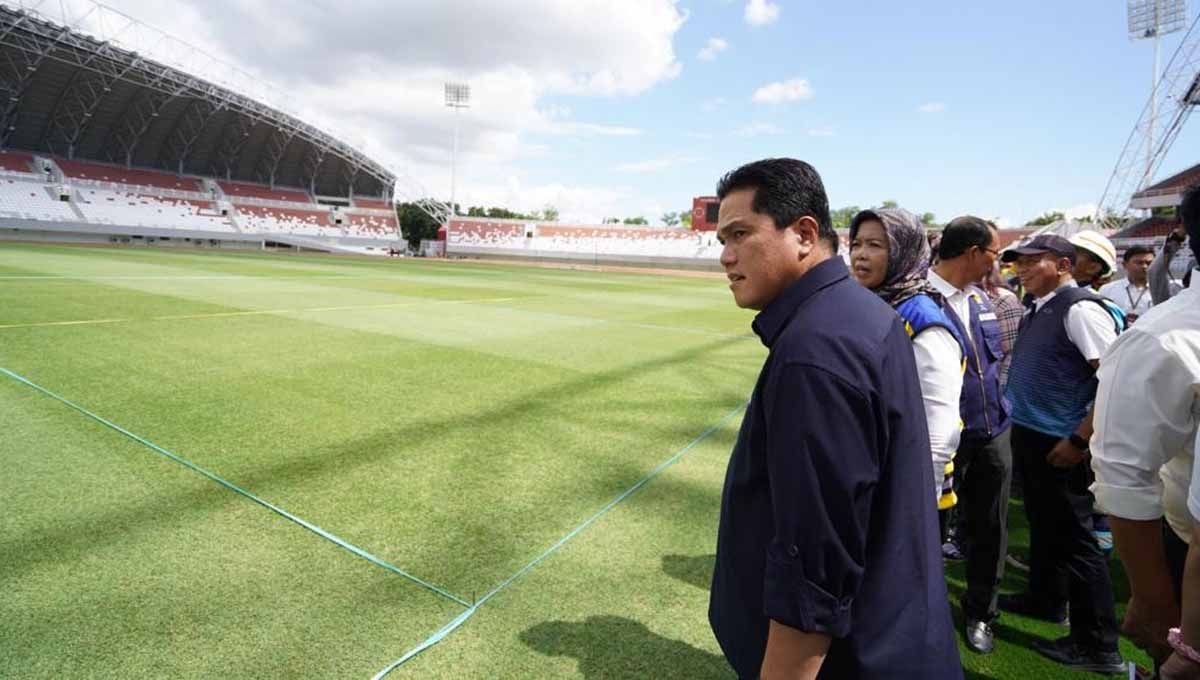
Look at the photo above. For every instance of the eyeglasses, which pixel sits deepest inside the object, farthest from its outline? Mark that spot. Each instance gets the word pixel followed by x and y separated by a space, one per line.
pixel 994 253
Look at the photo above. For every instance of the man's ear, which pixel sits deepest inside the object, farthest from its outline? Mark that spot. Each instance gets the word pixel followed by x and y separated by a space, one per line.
pixel 807 233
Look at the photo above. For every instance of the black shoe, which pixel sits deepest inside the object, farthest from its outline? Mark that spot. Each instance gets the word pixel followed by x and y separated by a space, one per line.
pixel 1022 603
pixel 979 636
pixel 1070 653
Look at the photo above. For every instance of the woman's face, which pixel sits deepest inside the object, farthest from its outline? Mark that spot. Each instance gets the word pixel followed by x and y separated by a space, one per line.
pixel 869 254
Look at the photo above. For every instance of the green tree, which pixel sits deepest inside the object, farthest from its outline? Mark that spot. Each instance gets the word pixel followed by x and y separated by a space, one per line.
pixel 415 224
pixel 890 204
pixel 670 219
pixel 1045 218
pixel 639 220
pixel 550 213
pixel 685 218
pixel 928 219
pixel 611 220
pixel 842 216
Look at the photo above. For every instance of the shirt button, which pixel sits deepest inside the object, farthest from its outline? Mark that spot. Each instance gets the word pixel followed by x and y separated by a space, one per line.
pixel 793 551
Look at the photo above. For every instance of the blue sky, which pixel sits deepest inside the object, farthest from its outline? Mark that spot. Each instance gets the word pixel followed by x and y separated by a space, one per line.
pixel 1031 103
pixel 605 107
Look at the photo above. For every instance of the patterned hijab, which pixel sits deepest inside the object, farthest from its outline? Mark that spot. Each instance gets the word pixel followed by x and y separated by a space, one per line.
pixel 908 254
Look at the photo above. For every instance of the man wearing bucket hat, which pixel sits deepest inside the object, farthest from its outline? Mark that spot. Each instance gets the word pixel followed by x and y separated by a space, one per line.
pixel 1051 385
pixel 1095 258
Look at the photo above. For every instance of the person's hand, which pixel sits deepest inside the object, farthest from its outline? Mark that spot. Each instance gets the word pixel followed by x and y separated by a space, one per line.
pixel 1146 624
pixel 1178 234
pixel 1065 455
pixel 1179 668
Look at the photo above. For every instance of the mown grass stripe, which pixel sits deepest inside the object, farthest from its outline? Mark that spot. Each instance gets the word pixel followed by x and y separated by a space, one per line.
pixel 258 312
pixel 238 490
pixel 464 616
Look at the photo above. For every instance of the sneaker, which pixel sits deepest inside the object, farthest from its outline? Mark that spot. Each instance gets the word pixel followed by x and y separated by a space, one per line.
pixel 1074 655
pixel 951 553
pixel 1023 604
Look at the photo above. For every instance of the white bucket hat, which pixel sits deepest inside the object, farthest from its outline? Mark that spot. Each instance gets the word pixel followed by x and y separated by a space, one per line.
pixel 1097 244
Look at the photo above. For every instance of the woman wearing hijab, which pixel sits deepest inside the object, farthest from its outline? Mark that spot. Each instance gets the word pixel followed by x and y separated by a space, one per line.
pixel 890 255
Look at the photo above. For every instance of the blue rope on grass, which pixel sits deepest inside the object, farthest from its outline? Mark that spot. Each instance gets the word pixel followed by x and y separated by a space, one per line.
pixel 236 489
pixel 462 618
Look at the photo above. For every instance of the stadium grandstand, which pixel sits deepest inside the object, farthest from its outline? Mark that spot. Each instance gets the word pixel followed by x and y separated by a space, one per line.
pixel 99 143
pixel 1160 199
pixel 589 244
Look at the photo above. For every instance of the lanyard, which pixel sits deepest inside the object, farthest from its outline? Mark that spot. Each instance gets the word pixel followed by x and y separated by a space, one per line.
pixel 1133 304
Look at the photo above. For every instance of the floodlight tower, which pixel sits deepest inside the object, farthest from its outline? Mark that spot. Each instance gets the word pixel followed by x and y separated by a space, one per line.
pixel 458 96
pixel 1149 19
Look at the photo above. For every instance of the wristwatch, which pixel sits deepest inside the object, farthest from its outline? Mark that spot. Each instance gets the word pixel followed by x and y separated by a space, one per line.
pixel 1078 442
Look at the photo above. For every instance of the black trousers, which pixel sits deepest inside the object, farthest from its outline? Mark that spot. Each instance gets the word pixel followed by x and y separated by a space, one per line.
pixel 1065 562
pixel 983 470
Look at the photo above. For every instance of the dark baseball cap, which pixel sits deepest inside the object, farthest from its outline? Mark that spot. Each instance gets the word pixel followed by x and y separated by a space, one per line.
pixel 1043 243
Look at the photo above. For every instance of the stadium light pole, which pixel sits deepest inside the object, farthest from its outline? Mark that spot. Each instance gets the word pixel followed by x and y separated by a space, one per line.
pixel 1151 19
pixel 458 96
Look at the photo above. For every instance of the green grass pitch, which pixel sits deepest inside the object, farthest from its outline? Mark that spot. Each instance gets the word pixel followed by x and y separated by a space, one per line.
pixel 452 420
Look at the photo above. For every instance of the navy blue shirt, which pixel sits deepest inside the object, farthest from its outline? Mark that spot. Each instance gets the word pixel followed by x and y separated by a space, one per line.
pixel 827 518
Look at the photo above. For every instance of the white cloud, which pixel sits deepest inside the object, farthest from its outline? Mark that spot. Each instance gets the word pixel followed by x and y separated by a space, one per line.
pixel 758 129
pixel 712 49
pixel 653 165
pixel 932 107
pixel 344 69
pixel 784 91
pixel 713 104
pixel 1078 211
pixel 590 129
pixel 576 204
pixel 761 12
pixel 820 132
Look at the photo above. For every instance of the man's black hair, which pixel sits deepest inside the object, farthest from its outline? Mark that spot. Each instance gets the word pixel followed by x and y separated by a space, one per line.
pixel 786 189
pixel 1134 251
pixel 1189 212
pixel 963 233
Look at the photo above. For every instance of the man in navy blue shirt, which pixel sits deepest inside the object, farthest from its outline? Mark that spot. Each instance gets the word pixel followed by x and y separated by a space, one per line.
pixel 828 554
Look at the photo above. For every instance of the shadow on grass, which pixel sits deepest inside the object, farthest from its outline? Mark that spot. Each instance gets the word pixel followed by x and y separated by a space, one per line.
pixel 696 570
pixel 617 647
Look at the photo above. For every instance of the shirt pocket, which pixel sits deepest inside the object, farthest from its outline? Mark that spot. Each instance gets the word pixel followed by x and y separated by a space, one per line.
pixel 993 338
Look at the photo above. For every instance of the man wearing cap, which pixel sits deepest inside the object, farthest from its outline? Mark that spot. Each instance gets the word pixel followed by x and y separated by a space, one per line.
pixel 1132 294
pixel 1095 258
pixel 1051 385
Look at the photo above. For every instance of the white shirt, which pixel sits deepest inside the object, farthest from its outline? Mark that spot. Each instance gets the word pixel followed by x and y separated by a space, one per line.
pixel 956 299
pixel 1147 410
pixel 1089 327
pixel 939 367
pixel 1130 298
pixel 1194 489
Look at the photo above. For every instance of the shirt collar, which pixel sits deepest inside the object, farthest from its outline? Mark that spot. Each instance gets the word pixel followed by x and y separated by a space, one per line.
pixel 1037 304
pixel 942 286
pixel 770 322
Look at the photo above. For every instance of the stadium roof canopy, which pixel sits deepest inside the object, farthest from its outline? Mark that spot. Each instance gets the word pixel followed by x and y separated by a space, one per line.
pixel 1167 193
pixel 68 94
